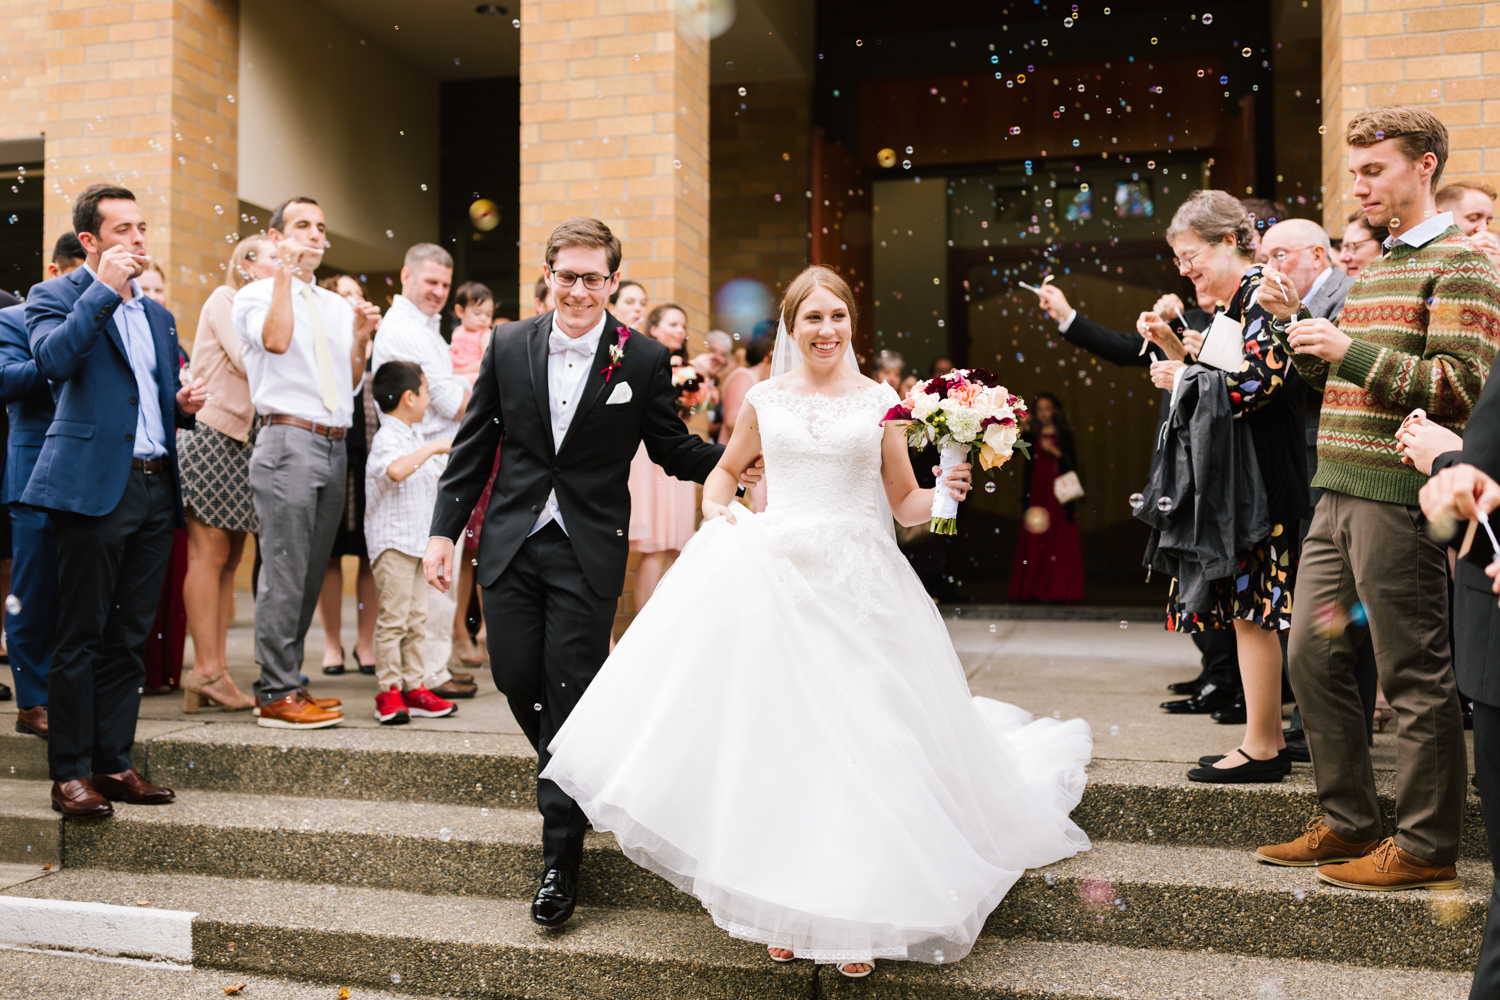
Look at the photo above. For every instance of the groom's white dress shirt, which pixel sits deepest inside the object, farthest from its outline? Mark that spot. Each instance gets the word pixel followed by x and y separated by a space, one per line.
pixel 568 361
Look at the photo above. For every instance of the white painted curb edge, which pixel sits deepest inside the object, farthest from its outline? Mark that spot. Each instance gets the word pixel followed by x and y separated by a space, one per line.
pixel 97 928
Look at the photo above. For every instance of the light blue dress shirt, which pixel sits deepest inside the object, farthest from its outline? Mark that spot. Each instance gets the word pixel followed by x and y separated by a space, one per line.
pixel 135 331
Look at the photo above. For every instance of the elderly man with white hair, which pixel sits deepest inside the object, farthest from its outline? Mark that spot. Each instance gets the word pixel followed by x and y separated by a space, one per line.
pixel 412 331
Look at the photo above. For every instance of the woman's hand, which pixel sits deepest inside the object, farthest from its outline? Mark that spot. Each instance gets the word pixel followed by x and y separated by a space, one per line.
pixel 712 510
pixel 1168 306
pixel 1422 441
pixel 1154 329
pixel 1049 444
pixel 1193 341
pixel 960 479
pixel 1164 373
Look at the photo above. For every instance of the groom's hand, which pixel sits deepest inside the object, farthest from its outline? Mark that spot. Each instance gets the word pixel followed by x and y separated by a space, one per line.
pixel 754 474
pixel 438 563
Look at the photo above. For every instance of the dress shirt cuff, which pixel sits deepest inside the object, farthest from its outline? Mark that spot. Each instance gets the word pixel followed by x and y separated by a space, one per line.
pixel 1062 326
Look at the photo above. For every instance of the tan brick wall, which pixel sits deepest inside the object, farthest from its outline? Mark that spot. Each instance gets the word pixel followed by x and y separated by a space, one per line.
pixel 614 124
pixel 1439 54
pixel 759 141
pixel 139 93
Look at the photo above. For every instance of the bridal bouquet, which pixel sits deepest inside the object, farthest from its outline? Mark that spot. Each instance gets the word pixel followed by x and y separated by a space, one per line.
pixel 960 412
pixel 694 391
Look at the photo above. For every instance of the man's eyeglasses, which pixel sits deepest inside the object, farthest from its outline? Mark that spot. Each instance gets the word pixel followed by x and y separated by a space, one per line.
pixel 593 282
pixel 1185 264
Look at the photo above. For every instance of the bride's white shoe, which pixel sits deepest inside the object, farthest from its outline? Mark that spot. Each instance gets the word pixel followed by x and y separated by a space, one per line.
pixel 784 956
pixel 866 967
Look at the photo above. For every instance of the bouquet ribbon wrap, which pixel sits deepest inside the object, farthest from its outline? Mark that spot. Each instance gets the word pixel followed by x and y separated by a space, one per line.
pixel 944 507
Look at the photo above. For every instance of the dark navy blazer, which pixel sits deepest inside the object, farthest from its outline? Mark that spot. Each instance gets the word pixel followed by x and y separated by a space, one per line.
pixel 86 454
pixel 27 397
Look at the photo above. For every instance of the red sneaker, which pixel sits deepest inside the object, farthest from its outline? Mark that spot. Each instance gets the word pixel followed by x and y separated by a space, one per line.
pixel 423 703
pixel 390 708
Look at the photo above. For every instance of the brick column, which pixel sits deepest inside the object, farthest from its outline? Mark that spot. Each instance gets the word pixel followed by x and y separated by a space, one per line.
pixel 614 124
pixel 1440 55
pixel 141 93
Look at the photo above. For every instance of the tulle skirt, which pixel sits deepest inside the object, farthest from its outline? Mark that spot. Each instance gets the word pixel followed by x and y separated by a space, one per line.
pixel 663 510
pixel 818 776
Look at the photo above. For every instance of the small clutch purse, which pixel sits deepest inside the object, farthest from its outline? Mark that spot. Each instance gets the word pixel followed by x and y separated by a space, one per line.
pixel 1066 487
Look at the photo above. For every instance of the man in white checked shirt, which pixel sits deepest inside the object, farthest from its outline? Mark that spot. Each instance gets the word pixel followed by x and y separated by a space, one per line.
pixel 304 353
pixel 411 331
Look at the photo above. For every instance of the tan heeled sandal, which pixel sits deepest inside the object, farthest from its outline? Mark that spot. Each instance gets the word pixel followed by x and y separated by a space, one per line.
pixel 194 696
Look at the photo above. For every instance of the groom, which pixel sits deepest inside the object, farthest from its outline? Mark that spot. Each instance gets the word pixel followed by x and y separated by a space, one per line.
pixel 570 394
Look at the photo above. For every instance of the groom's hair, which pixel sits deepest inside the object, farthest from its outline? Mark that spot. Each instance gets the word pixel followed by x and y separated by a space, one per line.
pixel 585 232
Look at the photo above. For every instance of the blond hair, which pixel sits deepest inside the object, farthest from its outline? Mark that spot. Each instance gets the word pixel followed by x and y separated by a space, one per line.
pixel 1416 131
pixel 237 277
pixel 815 277
pixel 1450 196
pixel 1211 216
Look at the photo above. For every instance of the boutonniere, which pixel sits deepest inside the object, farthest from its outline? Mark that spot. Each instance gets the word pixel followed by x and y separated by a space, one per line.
pixel 616 354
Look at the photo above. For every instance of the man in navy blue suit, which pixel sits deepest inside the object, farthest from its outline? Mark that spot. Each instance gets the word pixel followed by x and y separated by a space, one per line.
pixel 31 623
pixel 107 472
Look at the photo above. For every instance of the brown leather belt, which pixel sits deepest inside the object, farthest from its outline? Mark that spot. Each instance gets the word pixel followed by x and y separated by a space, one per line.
pixel 335 433
pixel 149 465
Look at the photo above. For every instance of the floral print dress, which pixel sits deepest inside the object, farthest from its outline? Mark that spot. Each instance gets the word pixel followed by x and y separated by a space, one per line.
pixel 1261 588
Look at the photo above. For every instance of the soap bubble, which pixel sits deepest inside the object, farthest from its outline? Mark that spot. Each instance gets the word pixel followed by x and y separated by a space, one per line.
pixel 1380 133
pixel 1163 504
pixel 1322 129
pixel 906 164
pixel 886 157
pixel 1447 907
pixel 1114 730
pixel 396 977
pixel 1245 52
pixel 484 214
pixel 938 957
pixel 537 706
pixel 1357 615
pixel 1137 501
pixel 677 164
pixel 13 604
pixel 1208 19
pixel 992 628
pixel 1097 892
pixel 1395 222
pixel 445 835
pixel 1036 520
pixel 989 487
pixel 742 91
pixel 1124 624
pixel 1067 22
pixel 1330 620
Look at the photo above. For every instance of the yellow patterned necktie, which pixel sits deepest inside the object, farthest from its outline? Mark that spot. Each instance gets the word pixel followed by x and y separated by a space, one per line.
pixel 322 354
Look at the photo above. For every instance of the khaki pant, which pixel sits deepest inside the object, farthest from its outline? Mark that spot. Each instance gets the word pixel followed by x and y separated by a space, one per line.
pixel 1374 553
pixel 403 615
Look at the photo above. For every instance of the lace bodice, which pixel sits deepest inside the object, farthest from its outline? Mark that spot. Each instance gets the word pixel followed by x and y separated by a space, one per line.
pixel 827 531
pixel 822 452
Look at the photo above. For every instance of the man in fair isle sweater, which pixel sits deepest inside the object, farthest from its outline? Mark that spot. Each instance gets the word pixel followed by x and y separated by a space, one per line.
pixel 1419 330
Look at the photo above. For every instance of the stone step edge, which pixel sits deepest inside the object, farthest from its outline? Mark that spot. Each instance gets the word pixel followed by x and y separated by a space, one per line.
pixel 645 949
pixel 97 929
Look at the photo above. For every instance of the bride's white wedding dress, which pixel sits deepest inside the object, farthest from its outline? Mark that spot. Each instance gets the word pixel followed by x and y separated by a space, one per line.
pixel 786 732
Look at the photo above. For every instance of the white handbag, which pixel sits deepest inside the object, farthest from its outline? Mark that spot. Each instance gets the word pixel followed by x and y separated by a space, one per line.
pixel 1066 487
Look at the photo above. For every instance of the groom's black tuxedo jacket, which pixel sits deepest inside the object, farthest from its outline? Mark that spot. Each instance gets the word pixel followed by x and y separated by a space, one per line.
pixel 510 410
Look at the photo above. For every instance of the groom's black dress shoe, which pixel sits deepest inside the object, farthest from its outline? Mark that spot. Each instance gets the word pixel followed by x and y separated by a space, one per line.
pixel 556 898
pixel 1190 688
pixel 1210 698
pixel 1232 714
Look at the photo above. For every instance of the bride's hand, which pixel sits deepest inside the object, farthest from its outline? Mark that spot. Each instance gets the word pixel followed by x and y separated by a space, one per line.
pixel 959 481
pixel 712 510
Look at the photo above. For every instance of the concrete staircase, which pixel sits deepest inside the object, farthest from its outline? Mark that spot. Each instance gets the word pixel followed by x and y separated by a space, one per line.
pixel 405 860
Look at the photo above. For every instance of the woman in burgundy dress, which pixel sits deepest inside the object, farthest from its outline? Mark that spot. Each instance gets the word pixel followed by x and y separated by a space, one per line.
pixel 1049 558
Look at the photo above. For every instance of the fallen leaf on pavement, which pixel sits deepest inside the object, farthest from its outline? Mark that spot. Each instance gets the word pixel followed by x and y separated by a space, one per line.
pixel 230 990
pixel 47 867
pixel 343 993
pixel 143 902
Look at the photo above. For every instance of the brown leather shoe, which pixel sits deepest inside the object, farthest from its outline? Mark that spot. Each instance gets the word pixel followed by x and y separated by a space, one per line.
pixel 129 786
pixel 296 712
pixel 1318 846
pixel 462 678
pixel 1388 867
pixel 453 689
pixel 324 703
pixel 32 721
pixel 78 798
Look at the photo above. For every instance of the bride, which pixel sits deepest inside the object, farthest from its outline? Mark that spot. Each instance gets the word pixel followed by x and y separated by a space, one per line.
pixel 805 757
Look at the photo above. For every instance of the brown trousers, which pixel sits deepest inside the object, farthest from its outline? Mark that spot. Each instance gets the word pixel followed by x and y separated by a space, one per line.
pixel 1375 553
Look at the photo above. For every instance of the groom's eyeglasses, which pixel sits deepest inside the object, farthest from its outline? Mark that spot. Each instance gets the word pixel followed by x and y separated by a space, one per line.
pixel 593 282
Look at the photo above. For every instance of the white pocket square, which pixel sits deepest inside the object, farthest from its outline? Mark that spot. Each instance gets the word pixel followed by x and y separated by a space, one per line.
pixel 621 394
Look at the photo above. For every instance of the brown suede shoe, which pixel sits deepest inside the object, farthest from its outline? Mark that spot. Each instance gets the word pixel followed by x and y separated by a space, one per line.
pixel 1388 868
pixel 1318 846
pixel 296 712
pixel 129 786
pixel 453 689
pixel 32 721
pixel 77 798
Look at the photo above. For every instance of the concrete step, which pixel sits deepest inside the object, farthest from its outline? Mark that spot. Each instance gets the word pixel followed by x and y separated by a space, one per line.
pixel 1130 894
pixel 382 939
pixel 30 832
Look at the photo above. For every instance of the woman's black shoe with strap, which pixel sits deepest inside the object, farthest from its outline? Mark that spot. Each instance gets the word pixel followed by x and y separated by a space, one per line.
pixel 1251 772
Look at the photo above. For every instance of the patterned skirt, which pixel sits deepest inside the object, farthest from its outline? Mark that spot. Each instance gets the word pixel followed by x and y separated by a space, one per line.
pixel 216 478
pixel 1260 590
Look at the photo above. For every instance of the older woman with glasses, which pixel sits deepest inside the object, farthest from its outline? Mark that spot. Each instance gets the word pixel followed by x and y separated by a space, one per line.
pixel 1211 238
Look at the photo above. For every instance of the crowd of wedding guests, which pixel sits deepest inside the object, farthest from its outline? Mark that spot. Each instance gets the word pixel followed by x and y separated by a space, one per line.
pixel 306 418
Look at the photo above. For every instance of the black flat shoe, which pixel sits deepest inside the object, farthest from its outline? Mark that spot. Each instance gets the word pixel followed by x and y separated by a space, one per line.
pixel 333 669
pixel 556 898
pixel 1210 698
pixel 1232 714
pixel 1284 755
pixel 1251 772
pixel 1189 688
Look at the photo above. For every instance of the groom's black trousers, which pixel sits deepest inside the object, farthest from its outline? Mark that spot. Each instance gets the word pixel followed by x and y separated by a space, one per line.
pixel 548 637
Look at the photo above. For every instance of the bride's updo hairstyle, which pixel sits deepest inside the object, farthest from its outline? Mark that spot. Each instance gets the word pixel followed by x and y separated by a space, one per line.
pixel 803 285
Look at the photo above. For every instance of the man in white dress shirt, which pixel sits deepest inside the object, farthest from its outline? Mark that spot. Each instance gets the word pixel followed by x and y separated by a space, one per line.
pixel 304 353
pixel 412 331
